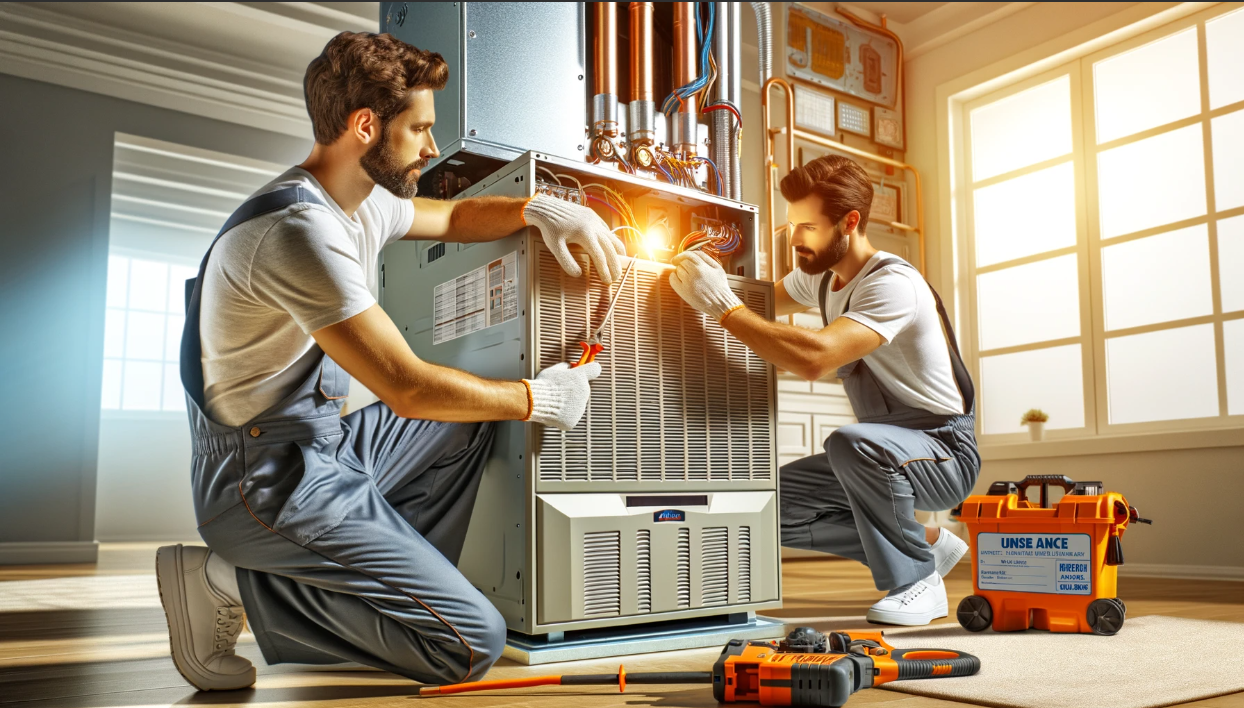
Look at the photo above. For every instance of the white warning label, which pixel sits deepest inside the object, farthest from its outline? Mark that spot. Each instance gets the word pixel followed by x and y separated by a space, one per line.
pixel 1061 564
pixel 481 298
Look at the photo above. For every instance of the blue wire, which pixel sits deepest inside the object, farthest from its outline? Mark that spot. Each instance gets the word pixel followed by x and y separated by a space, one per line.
pixel 720 186
pixel 683 92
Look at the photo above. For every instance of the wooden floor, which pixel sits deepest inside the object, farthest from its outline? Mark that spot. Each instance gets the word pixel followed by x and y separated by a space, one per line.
pixel 94 636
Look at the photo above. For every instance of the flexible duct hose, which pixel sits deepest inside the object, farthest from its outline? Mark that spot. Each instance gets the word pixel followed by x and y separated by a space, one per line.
pixel 764 39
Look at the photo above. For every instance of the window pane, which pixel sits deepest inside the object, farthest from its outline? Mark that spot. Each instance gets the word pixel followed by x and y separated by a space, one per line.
pixel 1021 130
pixel 1157 279
pixel 1233 338
pixel 1025 216
pixel 174 393
pixel 142 386
pixel 1231 263
pixel 1029 303
pixel 1166 375
pixel 172 338
pixel 1228 132
pixel 148 285
pixel 144 336
pixel 114 332
pixel 178 275
pixel 1151 182
pixel 1049 379
pixel 118 280
pixel 1147 86
pixel 1224 43
pixel 110 398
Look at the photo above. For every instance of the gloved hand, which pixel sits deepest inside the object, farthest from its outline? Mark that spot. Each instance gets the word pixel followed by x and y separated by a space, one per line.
pixel 559 394
pixel 700 280
pixel 562 223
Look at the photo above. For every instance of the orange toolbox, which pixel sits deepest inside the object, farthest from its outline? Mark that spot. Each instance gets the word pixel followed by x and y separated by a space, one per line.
pixel 1043 565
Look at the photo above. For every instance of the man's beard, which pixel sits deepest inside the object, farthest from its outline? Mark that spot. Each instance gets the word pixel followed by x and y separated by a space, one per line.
pixel 816 263
pixel 381 164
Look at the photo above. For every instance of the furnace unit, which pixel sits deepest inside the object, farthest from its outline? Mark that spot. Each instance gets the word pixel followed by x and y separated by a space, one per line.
pixel 656 518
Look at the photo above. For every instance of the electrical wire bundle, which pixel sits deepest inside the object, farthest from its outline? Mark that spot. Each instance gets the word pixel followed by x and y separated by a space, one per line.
pixel 686 93
pixel 715 240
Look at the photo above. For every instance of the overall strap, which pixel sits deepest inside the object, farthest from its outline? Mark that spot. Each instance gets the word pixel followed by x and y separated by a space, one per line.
pixel 191 345
pixel 962 378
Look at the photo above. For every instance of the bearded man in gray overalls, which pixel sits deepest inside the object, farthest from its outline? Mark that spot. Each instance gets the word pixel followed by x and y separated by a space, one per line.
pixel 337 537
pixel 889 339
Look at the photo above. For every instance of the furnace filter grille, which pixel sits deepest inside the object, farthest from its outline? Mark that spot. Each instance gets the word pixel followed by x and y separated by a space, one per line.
pixel 715 566
pixel 678 398
pixel 602 573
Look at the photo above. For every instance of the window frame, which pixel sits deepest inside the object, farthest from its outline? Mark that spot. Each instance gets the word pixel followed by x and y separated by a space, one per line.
pixel 1097 428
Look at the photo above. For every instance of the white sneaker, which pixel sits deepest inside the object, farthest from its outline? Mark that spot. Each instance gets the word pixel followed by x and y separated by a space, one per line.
pixel 203 624
pixel 947 550
pixel 912 605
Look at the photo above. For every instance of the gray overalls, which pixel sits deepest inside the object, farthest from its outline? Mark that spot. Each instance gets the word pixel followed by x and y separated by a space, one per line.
pixel 858 499
pixel 345 531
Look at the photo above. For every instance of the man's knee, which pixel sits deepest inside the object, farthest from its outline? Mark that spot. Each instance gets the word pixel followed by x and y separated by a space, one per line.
pixel 487 641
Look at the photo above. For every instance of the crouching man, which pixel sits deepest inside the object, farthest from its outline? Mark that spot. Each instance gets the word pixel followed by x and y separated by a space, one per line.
pixel 888 338
pixel 337 537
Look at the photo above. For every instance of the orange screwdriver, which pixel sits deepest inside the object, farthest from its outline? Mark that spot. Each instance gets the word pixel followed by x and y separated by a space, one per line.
pixel 592 346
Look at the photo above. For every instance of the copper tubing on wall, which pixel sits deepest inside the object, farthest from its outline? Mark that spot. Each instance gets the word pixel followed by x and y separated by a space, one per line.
pixel 605 48
pixel 683 128
pixel 641 51
pixel 770 135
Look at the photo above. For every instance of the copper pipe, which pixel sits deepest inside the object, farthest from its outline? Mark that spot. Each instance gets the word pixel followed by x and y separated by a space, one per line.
pixel 771 166
pixel 684 49
pixel 900 98
pixel 641 51
pixel 605 49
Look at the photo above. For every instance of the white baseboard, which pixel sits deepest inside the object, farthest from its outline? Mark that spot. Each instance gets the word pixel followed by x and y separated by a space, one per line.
pixel 49 552
pixel 1187 572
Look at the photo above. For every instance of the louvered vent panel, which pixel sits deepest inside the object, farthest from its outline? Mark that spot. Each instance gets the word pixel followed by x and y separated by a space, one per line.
pixel 758 401
pixel 745 564
pixel 678 397
pixel 643 569
pixel 684 568
pixel 715 566
pixel 602 573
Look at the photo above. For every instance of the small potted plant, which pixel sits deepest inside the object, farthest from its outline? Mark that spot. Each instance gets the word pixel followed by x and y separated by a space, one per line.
pixel 1035 420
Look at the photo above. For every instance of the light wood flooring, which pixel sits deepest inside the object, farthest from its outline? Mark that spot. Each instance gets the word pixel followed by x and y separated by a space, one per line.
pixel 88 636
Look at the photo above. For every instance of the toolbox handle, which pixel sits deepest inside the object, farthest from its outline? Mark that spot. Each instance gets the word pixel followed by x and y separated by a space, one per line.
pixel 1045 480
pixel 934 663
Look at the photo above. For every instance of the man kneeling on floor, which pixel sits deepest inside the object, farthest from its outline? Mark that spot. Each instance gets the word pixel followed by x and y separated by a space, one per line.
pixel 890 341
pixel 339 536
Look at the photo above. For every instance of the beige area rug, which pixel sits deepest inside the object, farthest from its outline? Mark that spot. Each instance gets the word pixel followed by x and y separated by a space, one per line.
pixel 1153 661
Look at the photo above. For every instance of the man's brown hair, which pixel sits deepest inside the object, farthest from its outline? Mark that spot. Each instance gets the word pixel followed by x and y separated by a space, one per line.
pixel 841 184
pixel 364 70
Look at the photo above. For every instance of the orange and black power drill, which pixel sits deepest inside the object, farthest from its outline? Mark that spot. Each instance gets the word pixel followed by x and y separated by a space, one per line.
pixel 807 668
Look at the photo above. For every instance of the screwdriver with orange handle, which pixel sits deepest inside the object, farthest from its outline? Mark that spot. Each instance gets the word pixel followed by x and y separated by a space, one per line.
pixel 808 668
pixel 592 346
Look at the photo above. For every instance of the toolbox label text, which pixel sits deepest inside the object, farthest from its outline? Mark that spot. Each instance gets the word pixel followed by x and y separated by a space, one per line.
pixel 1060 564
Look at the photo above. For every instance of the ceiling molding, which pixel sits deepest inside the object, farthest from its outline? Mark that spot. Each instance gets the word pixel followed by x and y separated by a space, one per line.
pixel 223 74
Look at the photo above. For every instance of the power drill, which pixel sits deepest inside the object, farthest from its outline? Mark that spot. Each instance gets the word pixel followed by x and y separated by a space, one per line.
pixel 807 668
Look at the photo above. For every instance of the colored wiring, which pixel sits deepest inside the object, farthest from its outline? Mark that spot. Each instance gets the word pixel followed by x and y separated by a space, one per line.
pixel 724 106
pixel 684 93
pixel 569 177
pixel 720 186
pixel 716 240
pixel 550 174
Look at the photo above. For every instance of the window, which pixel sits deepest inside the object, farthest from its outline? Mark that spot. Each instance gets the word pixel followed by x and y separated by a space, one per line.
pixel 1104 214
pixel 168 201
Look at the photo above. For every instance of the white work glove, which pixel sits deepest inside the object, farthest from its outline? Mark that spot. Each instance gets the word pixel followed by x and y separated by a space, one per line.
pixel 562 223
pixel 559 394
pixel 700 280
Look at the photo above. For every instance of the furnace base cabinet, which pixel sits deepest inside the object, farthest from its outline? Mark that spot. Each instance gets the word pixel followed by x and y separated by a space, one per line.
pixel 662 503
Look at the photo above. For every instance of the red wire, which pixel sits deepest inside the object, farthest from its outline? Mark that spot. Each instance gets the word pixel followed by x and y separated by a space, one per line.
pixel 722 106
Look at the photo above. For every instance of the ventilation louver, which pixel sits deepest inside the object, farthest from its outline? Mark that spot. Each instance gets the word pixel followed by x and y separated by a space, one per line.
pixel 602 573
pixel 715 566
pixel 745 564
pixel 684 568
pixel 643 569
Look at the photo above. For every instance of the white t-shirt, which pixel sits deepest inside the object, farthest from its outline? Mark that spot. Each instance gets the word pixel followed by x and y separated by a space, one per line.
pixel 913 364
pixel 274 280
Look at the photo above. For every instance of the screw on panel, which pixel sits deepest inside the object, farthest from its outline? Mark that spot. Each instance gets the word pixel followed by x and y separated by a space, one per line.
pixel 580 77
pixel 580 148
pixel 473 132
pixel 471 34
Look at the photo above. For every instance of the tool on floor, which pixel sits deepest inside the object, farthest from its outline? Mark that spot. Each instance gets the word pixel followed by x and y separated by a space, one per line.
pixel 592 346
pixel 1043 565
pixel 807 668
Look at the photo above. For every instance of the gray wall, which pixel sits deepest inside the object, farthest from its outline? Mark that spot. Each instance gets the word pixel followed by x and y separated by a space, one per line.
pixel 56 149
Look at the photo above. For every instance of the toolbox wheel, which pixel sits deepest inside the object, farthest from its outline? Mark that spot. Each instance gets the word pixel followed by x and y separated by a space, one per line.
pixel 1105 616
pixel 1122 606
pixel 974 613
